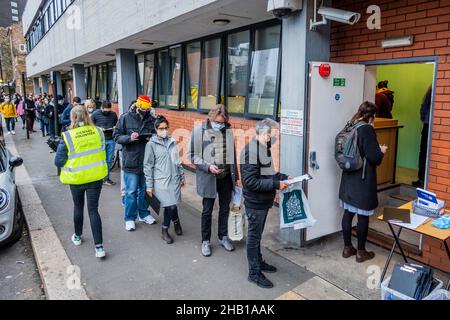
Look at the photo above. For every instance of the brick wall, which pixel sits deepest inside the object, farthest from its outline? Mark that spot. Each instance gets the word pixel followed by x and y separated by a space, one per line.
pixel 429 22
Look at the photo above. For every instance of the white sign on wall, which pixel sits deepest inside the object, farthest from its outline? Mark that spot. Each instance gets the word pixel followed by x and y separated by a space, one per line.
pixel 292 122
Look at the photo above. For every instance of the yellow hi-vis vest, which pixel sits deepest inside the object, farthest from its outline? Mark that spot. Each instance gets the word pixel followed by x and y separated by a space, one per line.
pixel 87 156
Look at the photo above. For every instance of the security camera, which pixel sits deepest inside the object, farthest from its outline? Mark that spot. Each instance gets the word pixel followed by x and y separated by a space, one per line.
pixel 339 15
pixel 283 8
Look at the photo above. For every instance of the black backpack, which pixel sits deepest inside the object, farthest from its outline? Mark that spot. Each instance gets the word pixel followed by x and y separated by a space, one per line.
pixel 346 151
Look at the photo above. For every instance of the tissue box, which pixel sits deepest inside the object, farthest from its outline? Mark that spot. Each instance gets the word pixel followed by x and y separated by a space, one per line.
pixel 426 211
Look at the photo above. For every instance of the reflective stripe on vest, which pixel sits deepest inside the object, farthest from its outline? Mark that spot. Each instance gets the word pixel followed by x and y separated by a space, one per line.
pixel 86 157
pixel 74 155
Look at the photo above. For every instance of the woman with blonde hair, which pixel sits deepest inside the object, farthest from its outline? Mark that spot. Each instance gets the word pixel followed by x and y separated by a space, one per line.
pixel 82 158
pixel 90 106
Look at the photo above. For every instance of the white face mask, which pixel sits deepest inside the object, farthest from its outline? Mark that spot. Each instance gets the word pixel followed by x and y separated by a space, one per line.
pixel 90 110
pixel 163 134
pixel 81 124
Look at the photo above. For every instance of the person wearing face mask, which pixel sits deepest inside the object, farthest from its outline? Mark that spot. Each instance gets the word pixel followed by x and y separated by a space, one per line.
pixel 43 117
pixel 82 159
pixel 9 112
pixel 164 176
pixel 107 120
pixel 133 131
pixel 90 106
pixel 212 151
pixel 358 195
pixel 260 182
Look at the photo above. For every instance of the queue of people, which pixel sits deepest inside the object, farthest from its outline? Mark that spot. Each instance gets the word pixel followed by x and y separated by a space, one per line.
pixel 152 170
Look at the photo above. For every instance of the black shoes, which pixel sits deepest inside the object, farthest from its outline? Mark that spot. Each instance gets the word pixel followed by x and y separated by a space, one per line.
pixel 166 236
pixel 267 268
pixel 260 280
pixel 177 227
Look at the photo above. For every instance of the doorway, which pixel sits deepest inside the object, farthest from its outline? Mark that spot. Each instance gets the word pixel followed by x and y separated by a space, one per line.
pixel 407 88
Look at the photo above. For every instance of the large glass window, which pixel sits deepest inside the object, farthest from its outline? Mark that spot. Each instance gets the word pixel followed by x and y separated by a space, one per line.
pixel 92 82
pixel 140 73
pixel 193 59
pixel 210 73
pixel 112 82
pixel 264 71
pixel 102 93
pixel 237 70
pixel 149 75
pixel 169 77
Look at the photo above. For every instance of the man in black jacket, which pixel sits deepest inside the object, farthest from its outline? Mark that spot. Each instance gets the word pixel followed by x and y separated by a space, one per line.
pixel 133 131
pixel 107 120
pixel 260 183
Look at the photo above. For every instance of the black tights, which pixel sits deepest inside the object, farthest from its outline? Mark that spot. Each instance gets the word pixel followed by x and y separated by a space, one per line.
pixel 170 214
pixel 363 229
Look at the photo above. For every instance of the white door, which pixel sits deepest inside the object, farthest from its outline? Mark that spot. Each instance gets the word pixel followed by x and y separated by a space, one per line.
pixel 332 103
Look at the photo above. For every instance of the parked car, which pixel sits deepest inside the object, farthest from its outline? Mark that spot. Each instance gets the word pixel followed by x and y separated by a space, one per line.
pixel 11 215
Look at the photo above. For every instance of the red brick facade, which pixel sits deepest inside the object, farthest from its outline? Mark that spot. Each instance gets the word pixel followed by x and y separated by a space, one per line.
pixel 429 22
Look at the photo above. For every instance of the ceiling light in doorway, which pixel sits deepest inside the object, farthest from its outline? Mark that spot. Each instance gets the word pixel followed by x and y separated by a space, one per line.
pixel 110 55
pixel 397 42
pixel 147 43
pixel 221 22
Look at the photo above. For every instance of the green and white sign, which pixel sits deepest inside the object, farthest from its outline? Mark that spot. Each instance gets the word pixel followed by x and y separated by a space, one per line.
pixel 339 82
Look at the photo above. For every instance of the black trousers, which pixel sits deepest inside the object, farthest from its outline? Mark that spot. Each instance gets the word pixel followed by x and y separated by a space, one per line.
pixel 92 192
pixel 256 223
pixel 224 189
pixel 423 152
pixel 362 229
pixel 170 214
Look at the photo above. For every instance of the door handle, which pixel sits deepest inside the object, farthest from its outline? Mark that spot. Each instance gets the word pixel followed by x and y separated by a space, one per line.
pixel 313 161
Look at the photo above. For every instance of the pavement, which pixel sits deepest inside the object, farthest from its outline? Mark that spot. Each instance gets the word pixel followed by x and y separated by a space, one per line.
pixel 19 276
pixel 140 265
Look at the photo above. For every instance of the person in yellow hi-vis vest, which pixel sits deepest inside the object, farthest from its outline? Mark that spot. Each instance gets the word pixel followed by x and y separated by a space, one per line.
pixel 82 158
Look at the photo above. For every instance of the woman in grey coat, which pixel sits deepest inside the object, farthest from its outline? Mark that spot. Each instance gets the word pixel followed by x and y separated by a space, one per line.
pixel 164 175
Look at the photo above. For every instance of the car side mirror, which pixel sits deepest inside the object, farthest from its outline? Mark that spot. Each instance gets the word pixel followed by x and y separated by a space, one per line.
pixel 15 162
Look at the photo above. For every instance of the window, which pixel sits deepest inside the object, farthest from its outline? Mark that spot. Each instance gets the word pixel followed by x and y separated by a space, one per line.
pixel 149 75
pixel 101 93
pixel 93 83
pixel 140 73
pixel 53 10
pixel 210 73
pixel 264 71
pixel 193 59
pixel 113 94
pixel 169 77
pixel 237 71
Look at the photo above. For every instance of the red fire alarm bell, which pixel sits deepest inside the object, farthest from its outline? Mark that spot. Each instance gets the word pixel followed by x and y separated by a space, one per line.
pixel 325 70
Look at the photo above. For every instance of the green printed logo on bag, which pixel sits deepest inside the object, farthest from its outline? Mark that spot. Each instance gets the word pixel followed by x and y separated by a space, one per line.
pixel 293 207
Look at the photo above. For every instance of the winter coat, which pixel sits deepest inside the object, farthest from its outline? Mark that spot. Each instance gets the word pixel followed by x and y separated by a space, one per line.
pixel 363 194
pixel 163 170
pixel 8 109
pixel 20 109
pixel 202 156
pixel 105 121
pixel 259 178
pixel 133 151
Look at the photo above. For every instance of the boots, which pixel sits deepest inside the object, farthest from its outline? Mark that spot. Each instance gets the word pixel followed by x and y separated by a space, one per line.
pixel 363 256
pixel 166 236
pixel 349 252
pixel 177 227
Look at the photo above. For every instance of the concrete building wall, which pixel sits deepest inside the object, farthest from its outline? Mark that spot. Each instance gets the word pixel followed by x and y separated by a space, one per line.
pixel 92 25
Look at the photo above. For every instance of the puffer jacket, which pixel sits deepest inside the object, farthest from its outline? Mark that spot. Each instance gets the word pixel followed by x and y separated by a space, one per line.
pixel 8 109
pixel 133 151
pixel 258 175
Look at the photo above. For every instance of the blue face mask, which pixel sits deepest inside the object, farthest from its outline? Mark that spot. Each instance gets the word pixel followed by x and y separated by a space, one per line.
pixel 217 126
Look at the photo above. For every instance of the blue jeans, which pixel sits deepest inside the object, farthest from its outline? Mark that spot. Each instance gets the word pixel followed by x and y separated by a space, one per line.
pixel 135 199
pixel 110 149
pixel 10 124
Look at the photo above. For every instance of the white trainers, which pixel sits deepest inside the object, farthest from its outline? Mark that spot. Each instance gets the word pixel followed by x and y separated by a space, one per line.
pixel 130 226
pixel 76 240
pixel 100 252
pixel 9 133
pixel 148 220
pixel 13 133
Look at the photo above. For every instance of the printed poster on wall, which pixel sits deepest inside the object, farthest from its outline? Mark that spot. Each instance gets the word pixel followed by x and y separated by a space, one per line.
pixel 292 122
